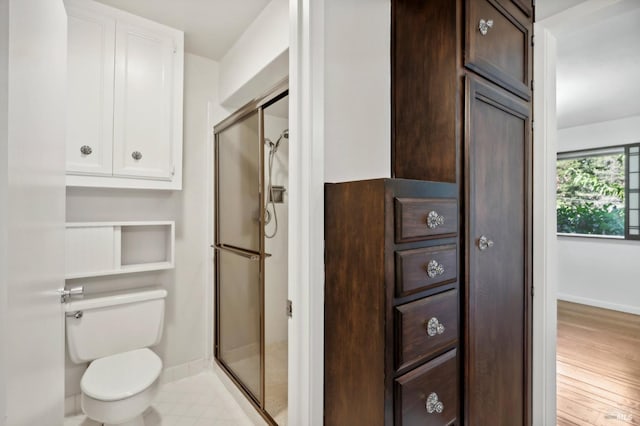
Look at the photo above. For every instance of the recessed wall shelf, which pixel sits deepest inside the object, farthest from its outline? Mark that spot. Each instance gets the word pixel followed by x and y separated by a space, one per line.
pixel 109 248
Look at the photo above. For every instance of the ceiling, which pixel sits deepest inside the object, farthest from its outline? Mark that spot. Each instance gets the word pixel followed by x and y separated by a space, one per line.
pixel 210 26
pixel 598 71
pixel 546 8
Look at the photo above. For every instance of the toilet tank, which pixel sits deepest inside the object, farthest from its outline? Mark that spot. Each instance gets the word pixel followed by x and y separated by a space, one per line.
pixel 112 323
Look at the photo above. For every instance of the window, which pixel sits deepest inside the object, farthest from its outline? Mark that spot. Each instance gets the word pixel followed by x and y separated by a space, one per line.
pixel 598 192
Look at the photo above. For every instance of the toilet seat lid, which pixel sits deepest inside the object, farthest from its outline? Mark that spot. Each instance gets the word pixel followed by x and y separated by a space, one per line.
pixel 121 375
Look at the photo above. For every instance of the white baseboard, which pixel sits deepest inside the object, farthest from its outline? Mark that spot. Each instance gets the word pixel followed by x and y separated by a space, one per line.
pixel 599 303
pixel 180 371
pixel 72 405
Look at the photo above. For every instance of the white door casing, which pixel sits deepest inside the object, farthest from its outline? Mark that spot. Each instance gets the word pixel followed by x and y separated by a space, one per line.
pixel 545 269
pixel 306 215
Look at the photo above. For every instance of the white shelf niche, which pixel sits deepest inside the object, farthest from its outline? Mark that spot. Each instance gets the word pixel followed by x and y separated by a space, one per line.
pixel 95 249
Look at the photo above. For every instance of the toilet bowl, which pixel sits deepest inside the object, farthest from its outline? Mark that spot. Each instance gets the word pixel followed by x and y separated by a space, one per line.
pixel 113 331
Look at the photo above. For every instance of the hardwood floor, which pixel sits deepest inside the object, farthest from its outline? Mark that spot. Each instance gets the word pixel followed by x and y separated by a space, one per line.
pixel 598 366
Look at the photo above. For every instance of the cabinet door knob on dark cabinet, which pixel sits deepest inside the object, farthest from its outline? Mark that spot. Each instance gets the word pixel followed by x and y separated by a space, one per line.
pixel 485 26
pixel 434 220
pixel 433 405
pixel 434 269
pixel 484 243
pixel 434 326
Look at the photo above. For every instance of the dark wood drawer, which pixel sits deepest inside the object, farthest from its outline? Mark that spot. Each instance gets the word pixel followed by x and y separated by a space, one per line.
pixel 423 218
pixel 501 54
pixel 425 327
pixel 428 395
pixel 419 269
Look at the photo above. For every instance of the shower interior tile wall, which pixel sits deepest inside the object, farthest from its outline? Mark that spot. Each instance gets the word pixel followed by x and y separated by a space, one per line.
pixel 184 339
pixel 276 265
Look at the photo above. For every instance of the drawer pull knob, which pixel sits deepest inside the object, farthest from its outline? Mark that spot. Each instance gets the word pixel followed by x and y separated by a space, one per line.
pixel 434 327
pixel 485 26
pixel 434 220
pixel 484 243
pixel 434 269
pixel 136 155
pixel 86 150
pixel 433 405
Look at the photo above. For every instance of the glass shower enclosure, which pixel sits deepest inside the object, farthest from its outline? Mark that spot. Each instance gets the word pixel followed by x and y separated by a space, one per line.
pixel 240 248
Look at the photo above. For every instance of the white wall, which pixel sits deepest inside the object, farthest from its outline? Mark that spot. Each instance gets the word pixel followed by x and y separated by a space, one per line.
pixel 595 271
pixel 184 337
pixel 35 217
pixel 596 135
pixel 4 133
pixel 259 58
pixel 357 104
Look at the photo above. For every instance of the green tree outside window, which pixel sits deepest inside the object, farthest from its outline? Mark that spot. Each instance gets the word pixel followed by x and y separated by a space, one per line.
pixel 590 194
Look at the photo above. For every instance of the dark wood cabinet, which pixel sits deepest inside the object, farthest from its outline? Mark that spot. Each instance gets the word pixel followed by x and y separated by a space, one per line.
pixel 428 394
pixel 497 46
pixel 378 341
pixel 498 248
pixel 428 275
pixel 426 87
pixel 492 86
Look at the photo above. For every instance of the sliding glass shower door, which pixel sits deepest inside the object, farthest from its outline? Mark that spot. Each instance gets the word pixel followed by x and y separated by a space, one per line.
pixel 251 216
pixel 239 252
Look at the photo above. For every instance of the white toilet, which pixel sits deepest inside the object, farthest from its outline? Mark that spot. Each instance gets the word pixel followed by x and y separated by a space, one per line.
pixel 114 331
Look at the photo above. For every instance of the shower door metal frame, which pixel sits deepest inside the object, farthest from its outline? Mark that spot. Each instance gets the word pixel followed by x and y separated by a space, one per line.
pixel 258 105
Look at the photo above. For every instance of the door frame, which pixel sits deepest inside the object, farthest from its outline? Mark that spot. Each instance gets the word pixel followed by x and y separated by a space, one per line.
pixel 306 212
pixel 545 267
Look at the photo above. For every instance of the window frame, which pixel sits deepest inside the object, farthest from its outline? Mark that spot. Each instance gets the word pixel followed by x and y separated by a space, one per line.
pixel 628 191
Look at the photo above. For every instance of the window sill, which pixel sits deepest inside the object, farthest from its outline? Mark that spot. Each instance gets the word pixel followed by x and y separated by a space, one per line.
pixel 592 236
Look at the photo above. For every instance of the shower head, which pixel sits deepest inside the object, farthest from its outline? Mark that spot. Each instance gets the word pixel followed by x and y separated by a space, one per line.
pixel 284 134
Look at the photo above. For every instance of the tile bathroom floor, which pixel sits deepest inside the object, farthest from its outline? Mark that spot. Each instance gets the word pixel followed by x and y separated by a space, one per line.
pixel 200 400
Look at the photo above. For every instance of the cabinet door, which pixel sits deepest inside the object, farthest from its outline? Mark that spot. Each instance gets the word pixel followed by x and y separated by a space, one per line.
pixel 498 46
pixel 91 39
pixel 498 243
pixel 144 128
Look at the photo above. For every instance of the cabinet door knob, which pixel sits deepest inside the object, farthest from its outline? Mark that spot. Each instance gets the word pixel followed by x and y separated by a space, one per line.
pixel 434 326
pixel 484 243
pixel 434 269
pixel 86 150
pixel 433 405
pixel 434 220
pixel 485 26
pixel 136 155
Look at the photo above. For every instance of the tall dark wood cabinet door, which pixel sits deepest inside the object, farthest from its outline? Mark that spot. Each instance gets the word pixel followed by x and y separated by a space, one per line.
pixel 497 239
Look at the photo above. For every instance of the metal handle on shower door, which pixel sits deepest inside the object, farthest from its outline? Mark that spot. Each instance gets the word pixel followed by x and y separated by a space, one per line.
pixel 244 253
pixel 249 255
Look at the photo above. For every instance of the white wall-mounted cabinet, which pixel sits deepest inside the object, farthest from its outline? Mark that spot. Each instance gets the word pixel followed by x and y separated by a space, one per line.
pixel 124 123
pixel 108 248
